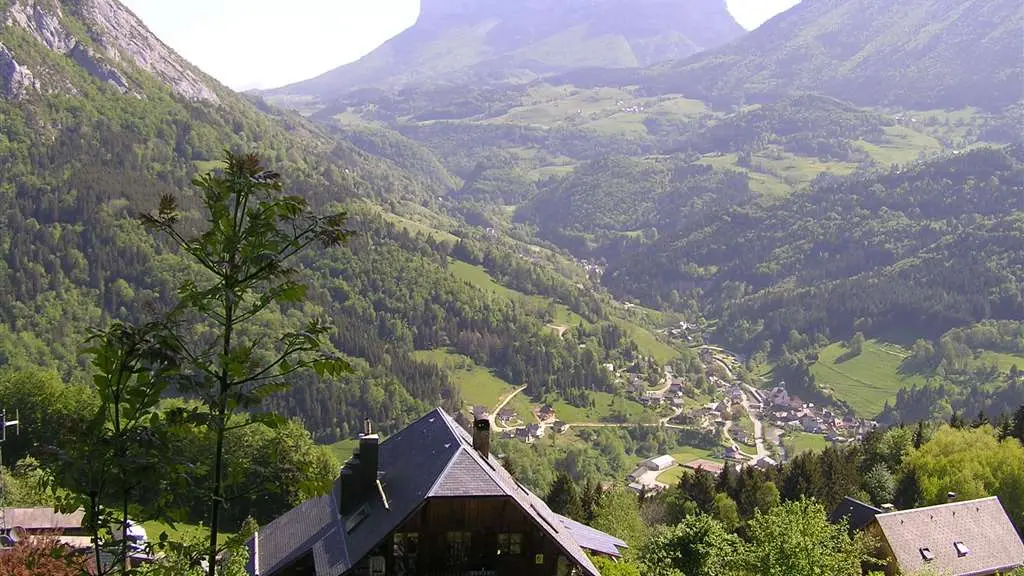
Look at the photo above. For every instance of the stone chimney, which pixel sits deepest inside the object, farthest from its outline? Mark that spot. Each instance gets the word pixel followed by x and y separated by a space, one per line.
pixel 481 432
pixel 369 456
pixel 358 478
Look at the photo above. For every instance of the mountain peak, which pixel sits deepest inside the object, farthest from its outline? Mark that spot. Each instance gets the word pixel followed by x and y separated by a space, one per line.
pixel 466 39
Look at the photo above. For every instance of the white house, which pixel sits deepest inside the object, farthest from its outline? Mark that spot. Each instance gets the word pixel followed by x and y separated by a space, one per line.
pixel 663 462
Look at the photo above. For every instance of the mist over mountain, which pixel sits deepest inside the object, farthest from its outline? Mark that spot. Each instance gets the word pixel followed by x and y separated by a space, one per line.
pixel 460 40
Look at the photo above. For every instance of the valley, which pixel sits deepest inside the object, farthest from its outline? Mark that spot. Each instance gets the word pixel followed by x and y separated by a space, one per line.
pixel 707 284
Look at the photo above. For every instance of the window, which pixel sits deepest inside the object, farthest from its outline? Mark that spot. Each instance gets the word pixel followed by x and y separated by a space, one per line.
pixel 356 518
pixel 926 553
pixel 961 549
pixel 458 546
pixel 510 544
pixel 405 547
pixel 406 544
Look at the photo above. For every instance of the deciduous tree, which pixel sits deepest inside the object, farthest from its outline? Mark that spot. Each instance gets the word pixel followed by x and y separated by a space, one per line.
pixel 253 233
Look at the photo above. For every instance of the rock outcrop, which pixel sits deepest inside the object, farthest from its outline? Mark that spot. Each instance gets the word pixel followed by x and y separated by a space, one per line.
pixel 15 79
pixel 120 36
pixel 123 35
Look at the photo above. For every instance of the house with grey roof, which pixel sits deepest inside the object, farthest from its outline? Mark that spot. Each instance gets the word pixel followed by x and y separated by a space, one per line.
pixel 430 499
pixel 970 538
pixel 854 513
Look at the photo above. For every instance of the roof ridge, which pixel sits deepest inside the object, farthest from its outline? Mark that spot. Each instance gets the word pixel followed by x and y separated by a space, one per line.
pixel 457 430
pixel 935 506
pixel 862 503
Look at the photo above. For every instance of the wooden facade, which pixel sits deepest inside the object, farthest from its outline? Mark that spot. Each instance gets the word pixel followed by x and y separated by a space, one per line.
pixel 472 536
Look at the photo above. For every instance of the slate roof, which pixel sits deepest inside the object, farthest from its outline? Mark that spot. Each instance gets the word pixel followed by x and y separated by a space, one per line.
pixel 856 514
pixel 431 458
pixel 591 539
pixel 981 525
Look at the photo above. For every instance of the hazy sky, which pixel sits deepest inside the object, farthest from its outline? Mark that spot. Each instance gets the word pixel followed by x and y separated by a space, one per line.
pixel 268 43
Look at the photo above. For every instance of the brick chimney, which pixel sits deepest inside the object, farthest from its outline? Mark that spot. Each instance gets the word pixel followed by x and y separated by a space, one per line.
pixel 481 432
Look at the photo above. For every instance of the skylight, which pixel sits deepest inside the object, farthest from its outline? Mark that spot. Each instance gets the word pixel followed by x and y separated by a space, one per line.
pixel 961 549
pixel 926 553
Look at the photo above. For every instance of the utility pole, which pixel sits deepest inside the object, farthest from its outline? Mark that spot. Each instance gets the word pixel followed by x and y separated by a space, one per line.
pixel 4 425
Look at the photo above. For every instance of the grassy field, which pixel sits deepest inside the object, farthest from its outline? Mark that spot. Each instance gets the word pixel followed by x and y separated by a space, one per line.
pixel 1003 360
pixel 549 105
pixel 684 454
pixel 414 227
pixel 647 341
pixel 478 276
pixel 621 123
pixel 902 146
pixel 866 381
pixel 204 166
pixel 799 442
pixel 181 531
pixel 342 450
pixel 604 405
pixel 680 107
pixel 477 385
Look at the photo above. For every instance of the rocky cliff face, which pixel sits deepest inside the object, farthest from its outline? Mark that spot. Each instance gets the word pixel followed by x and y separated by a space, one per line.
pixel 15 79
pixel 120 39
pixel 124 35
pixel 473 40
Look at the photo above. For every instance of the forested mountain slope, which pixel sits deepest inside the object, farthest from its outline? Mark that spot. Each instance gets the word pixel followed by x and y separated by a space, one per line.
pixel 494 40
pixel 918 54
pixel 88 142
pixel 917 250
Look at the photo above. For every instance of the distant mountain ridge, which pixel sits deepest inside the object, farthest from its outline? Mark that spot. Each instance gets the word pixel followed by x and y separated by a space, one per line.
pixel 461 39
pixel 917 54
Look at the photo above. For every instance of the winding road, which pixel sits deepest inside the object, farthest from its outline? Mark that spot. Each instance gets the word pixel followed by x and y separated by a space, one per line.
pixel 494 413
pixel 762 451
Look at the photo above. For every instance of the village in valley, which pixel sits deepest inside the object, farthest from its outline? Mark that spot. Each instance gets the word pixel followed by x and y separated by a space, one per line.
pixel 754 426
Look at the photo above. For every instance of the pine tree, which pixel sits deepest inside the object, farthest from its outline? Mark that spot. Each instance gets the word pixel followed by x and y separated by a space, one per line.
pixel 956 420
pixel 981 420
pixel 802 478
pixel 590 500
pixel 908 492
pixel 699 488
pixel 564 498
pixel 1014 428
pixel 919 435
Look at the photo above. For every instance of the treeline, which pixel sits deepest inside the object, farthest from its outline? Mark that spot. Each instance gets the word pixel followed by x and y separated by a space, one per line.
pixel 919 249
pixel 606 205
pixel 269 470
pixel 777 520
pixel 806 125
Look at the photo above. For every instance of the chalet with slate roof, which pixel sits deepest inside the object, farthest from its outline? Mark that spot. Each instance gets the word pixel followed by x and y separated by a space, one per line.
pixel 429 500
pixel 972 538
